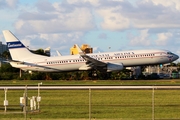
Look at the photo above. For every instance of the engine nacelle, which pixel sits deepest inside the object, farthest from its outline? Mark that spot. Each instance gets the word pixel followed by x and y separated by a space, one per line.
pixel 114 67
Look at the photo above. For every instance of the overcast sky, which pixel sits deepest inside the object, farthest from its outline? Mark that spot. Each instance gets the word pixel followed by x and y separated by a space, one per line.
pixel 106 25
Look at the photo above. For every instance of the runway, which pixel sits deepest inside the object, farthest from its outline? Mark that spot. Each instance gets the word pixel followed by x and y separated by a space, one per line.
pixel 59 87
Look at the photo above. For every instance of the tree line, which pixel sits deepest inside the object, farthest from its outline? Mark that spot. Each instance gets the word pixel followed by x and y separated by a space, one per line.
pixel 7 72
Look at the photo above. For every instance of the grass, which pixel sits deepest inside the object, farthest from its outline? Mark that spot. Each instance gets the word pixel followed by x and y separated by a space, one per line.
pixel 105 104
pixel 92 82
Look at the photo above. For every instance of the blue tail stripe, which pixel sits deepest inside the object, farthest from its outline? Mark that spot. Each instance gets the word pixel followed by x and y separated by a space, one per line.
pixel 16 44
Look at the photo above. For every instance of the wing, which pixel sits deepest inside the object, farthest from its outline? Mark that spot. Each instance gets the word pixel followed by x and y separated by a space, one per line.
pixel 92 61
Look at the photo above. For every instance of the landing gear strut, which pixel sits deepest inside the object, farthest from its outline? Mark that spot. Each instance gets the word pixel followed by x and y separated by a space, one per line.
pixel 99 75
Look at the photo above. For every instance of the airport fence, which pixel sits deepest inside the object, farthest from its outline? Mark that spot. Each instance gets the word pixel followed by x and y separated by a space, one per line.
pixel 98 102
pixel 128 103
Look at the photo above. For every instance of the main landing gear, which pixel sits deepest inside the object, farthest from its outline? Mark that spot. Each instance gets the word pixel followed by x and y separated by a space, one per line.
pixel 99 75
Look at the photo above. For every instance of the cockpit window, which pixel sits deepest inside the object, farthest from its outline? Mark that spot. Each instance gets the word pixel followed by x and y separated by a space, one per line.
pixel 170 53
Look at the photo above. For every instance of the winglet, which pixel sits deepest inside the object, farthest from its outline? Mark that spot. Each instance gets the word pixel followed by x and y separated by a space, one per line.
pixel 79 50
pixel 58 53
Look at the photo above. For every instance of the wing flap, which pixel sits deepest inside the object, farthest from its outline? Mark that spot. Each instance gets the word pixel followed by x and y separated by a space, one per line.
pixel 85 67
pixel 93 61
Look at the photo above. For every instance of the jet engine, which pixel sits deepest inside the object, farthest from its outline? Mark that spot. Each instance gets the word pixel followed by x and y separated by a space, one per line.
pixel 114 67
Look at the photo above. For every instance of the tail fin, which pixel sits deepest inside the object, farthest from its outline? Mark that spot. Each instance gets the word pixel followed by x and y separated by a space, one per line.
pixel 17 50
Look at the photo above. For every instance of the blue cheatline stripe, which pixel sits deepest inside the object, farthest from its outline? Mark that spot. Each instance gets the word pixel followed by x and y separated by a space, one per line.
pixel 17 44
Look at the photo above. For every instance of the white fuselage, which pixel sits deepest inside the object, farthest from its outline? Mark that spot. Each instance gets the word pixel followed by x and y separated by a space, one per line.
pixel 75 62
pixel 105 62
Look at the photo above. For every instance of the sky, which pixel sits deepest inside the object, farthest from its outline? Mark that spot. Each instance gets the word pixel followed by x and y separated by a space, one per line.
pixel 106 25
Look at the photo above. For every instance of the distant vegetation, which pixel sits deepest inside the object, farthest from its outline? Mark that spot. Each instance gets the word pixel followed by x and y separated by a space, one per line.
pixel 9 73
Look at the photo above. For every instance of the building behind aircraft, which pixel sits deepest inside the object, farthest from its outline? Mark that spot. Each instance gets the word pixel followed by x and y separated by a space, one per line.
pixel 84 48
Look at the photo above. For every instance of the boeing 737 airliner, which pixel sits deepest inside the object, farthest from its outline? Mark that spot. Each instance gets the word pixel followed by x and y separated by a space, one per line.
pixel 106 62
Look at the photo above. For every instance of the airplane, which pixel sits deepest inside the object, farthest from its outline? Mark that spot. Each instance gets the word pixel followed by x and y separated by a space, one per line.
pixel 103 62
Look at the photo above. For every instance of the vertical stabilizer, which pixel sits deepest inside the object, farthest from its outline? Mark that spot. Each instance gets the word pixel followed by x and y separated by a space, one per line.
pixel 17 50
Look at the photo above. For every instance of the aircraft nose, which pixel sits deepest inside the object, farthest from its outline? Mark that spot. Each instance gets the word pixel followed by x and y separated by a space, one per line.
pixel 176 57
